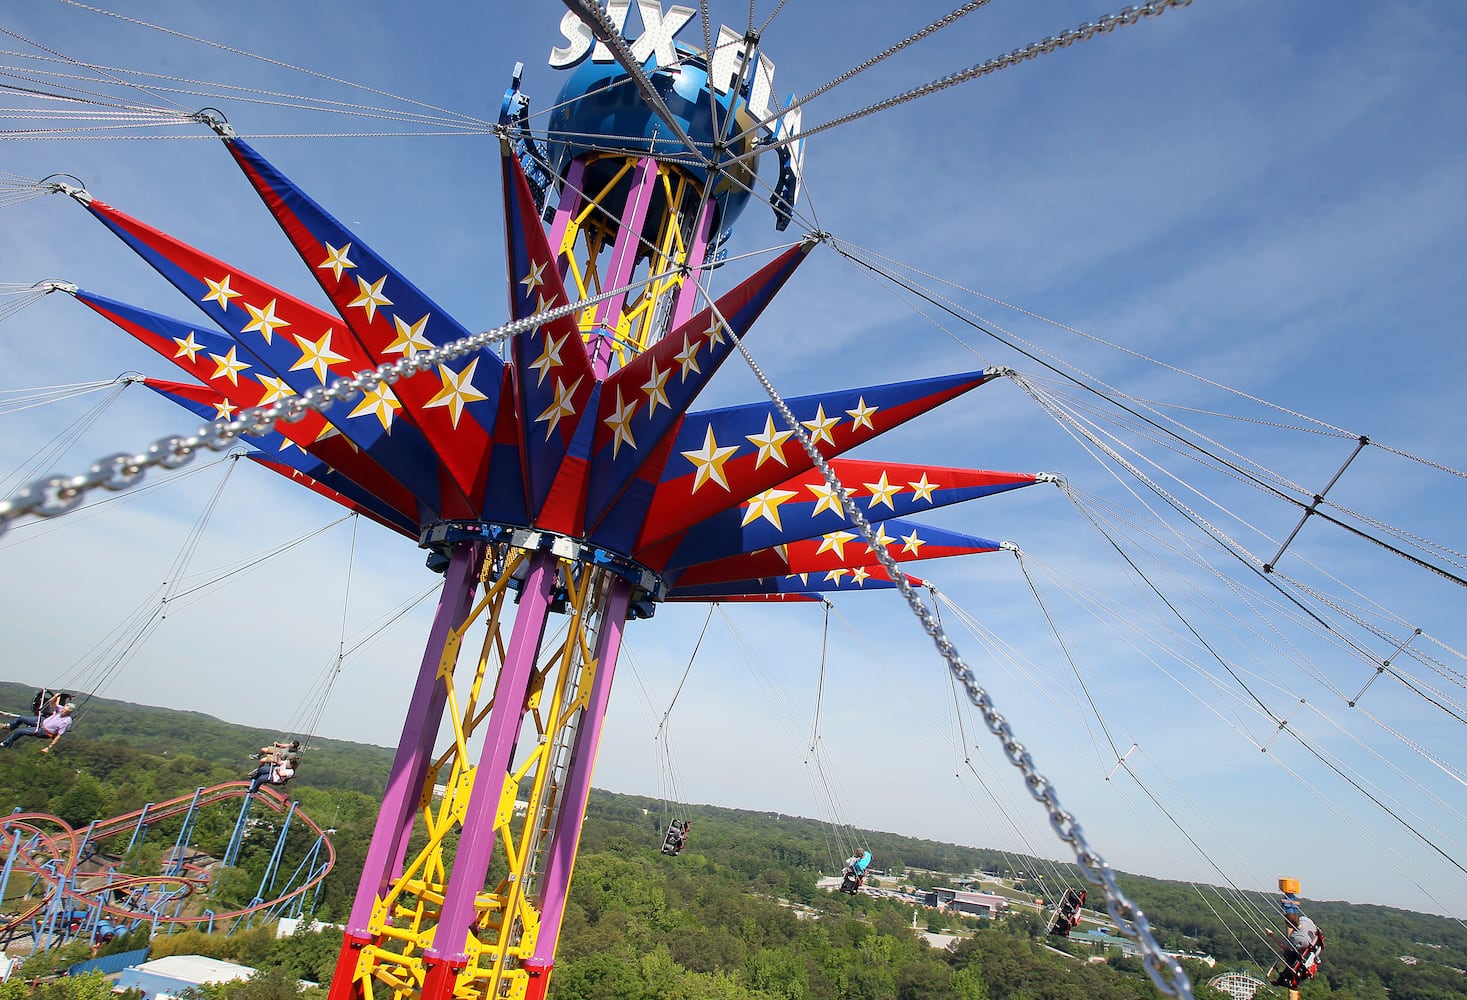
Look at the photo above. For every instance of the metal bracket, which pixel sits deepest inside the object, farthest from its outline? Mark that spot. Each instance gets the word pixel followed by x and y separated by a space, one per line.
pixel 1360 443
pixel 1384 666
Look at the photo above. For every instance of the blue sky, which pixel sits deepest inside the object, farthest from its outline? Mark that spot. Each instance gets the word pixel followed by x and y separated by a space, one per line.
pixel 1266 195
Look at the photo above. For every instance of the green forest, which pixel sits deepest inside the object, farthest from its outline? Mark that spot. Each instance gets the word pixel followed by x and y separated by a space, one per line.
pixel 737 915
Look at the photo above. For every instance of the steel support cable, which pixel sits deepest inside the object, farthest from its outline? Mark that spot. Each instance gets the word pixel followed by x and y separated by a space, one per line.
pixel 1219 537
pixel 828 792
pixel 1282 723
pixel 595 18
pixel 19 400
pixel 820 683
pixel 322 686
pixel 1246 905
pixel 662 725
pixel 302 102
pixel 1379 632
pixel 1103 25
pixel 1307 622
pixel 928 726
pixel 73 62
pixel 1349 819
pixel 259 58
pixel 1196 846
pixel 1163 970
pixel 1261 484
pixel 857 70
pixel 1241 912
pixel 312 718
pixel 1065 651
pixel 1321 427
pixel 1403 777
pixel 1128 420
pixel 989 641
pixel 60 442
pixel 103 675
pixel 119 109
pixel 218 577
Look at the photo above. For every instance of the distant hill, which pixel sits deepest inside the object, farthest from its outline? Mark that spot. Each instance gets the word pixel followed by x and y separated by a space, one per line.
pixel 769 855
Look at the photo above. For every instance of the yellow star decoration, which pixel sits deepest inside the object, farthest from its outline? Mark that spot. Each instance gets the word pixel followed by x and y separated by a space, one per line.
pixel 336 260
pixel 882 536
pixel 263 321
pixel 821 426
pixel 770 442
pixel 535 278
pixel 220 292
pixel 656 389
pixel 859 575
pixel 369 297
pixel 688 359
pixel 709 460
pixel 286 444
pixel 549 359
pixel 911 543
pixel 410 339
pixel 882 492
pixel 714 333
pixel 275 389
pixel 224 409
pixel 620 423
pixel 825 499
pixel 835 542
pixel 380 403
pixel 922 489
pixel 862 414
pixel 563 406
pixel 317 355
pixel 766 505
pixel 836 574
pixel 458 390
pixel 228 366
pixel 188 345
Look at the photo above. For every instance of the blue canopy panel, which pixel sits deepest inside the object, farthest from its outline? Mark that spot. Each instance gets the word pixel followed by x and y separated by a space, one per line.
pixel 279 453
pixel 556 382
pixel 904 541
pixel 456 404
pixel 722 458
pixel 219 363
pixel 298 345
pixel 646 399
pixel 807 584
pixel 805 505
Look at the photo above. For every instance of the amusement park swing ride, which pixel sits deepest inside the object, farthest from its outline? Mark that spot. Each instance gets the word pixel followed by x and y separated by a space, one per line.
pixel 556 467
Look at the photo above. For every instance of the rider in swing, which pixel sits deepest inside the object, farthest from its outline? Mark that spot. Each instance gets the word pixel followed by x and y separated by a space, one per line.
pixel 854 872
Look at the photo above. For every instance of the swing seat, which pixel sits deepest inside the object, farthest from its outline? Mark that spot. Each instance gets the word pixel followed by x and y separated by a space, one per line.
pixel 675 838
pixel 1067 914
pixel 1305 966
pixel 851 883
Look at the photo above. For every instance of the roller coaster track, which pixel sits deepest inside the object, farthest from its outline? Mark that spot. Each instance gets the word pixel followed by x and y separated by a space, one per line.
pixel 48 848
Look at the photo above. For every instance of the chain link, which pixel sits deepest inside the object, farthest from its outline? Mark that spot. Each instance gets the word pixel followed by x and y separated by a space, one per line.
pixel 1084 32
pixel 57 495
pixel 1165 971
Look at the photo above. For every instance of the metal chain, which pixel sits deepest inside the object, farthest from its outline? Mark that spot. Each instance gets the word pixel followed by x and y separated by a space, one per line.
pixel 57 495
pixel 1103 25
pixel 1165 971
pixel 854 71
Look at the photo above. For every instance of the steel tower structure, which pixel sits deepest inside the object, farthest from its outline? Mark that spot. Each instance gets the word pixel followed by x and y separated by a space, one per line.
pixel 564 489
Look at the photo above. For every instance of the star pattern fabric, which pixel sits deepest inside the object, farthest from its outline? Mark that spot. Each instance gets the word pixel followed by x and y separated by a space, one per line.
pixel 725 503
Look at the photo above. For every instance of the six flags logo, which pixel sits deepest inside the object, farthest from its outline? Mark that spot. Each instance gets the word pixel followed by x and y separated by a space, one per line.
pixel 659 33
